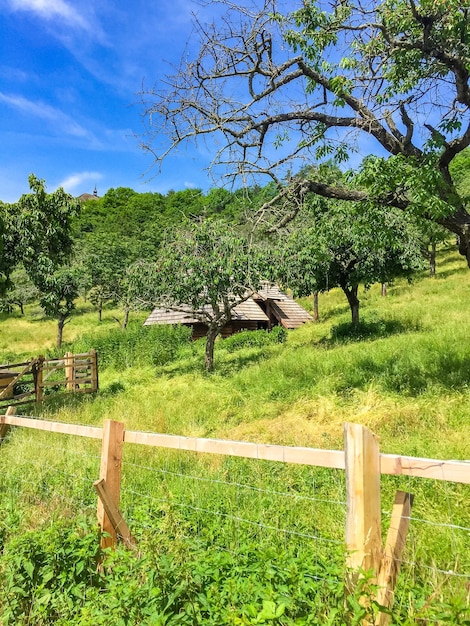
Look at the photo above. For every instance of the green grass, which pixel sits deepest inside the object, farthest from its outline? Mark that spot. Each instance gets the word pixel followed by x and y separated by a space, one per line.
pixel 405 374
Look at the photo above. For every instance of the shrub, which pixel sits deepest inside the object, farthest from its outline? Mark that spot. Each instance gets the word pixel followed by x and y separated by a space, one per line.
pixel 254 339
pixel 136 346
pixel 45 575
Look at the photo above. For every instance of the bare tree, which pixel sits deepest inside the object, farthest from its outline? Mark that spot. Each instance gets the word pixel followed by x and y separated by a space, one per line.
pixel 274 91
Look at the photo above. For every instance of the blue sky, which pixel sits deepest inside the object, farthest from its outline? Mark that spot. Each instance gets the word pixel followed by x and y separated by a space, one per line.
pixel 70 73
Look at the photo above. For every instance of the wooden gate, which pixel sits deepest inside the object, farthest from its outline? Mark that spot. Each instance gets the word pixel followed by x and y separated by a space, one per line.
pixel 30 381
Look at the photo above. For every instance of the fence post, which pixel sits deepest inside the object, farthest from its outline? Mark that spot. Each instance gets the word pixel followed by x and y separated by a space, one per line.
pixel 69 373
pixel 110 472
pixel 94 369
pixel 363 522
pixel 38 377
pixel 4 428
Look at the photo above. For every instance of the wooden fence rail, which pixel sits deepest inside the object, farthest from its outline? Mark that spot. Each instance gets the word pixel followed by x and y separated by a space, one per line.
pixel 361 460
pixel 22 383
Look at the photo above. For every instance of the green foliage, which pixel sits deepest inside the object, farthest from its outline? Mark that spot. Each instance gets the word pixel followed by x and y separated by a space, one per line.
pixel 20 292
pixel 141 219
pixel 204 263
pixel 104 268
pixel 7 248
pixel 330 246
pixel 254 339
pixel 460 170
pixel 58 291
pixel 52 577
pixel 47 575
pixel 418 180
pixel 43 223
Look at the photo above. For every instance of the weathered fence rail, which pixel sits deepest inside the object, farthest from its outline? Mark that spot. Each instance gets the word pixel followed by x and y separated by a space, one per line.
pixel 361 460
pixel 22 383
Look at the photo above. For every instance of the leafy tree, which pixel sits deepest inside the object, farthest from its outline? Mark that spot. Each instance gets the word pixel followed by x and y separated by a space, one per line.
pixel 58 288
pixel 42 223
pixel 205 269
pixel 179 205
pixel 279 90
pixel 217 202
pixel 329 249
pixel 105 261
pixel 9 252
pixel 432 235
pixel 20 292
pixel 460 170
pixel 139 218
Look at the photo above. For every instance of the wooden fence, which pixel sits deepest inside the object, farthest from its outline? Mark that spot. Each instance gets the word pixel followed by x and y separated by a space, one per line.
pixel 361 460
pixel 22 383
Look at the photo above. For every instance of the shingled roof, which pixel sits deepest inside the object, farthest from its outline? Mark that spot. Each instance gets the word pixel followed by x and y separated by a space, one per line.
pixel 245 311
pixel 280 307
pixel 89 196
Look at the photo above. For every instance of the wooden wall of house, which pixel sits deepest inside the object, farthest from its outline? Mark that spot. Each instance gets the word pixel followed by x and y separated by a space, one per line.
pixel 236 326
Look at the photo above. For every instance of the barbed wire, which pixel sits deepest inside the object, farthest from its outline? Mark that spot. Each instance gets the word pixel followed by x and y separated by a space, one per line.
pixel 458 533
pixel 297 496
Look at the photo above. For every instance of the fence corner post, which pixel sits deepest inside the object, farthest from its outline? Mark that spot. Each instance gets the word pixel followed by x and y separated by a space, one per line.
pixel 363 515
pixel 110 472
pixel 69 373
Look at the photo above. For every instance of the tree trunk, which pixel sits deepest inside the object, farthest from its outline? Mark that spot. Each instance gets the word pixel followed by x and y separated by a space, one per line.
pixel 351 295
pixel 384 290
pixel 459 224
pixel 316 316
pixel 212 334
pixel 432 260
pixel 60 330
pixel 100 310
pixel 126 317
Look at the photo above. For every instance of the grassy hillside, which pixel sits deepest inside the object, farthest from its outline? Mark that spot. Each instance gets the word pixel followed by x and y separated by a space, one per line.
pixel 405 375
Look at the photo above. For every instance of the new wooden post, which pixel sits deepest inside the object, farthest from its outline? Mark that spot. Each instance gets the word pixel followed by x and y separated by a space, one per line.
pixel 4 428
pixel 94 369
pixel 390 567
pixel 38 375
pixel 363 532
pixel 114 514
pixel 110 472
pixel 69 373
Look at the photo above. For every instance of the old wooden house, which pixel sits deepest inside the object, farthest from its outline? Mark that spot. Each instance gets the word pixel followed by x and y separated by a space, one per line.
pixel 267 308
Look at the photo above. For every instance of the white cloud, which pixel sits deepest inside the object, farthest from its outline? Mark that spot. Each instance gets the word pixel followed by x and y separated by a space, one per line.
pixel 62 123
pixel 50 10
pixel 15 74
pixel 77 179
